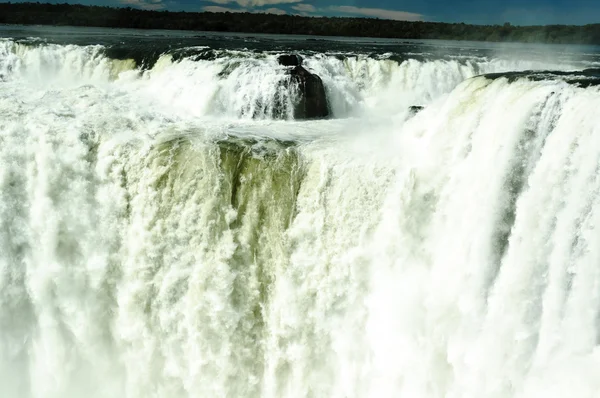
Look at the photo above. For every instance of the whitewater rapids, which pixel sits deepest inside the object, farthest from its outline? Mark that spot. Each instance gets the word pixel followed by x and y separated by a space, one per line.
pixel 162 236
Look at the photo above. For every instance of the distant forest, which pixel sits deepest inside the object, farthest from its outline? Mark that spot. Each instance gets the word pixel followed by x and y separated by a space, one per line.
pixel 79 15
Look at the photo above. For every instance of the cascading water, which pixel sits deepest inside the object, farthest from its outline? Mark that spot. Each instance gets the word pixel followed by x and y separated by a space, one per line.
pixel 161 235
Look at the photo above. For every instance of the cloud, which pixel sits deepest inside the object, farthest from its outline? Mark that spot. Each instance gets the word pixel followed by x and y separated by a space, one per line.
pixel 276 11
pixel 144 4
pixel 378 13
pixel 222 9
pixel 255 3
pixel 303 7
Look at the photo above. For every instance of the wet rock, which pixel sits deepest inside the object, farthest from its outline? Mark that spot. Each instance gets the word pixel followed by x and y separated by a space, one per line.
pixel 290 60
pixel 584 78
pixel 413 110
pixel 312 101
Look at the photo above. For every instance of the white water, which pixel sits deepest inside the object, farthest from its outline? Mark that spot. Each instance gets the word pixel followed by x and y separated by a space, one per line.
pixel 240 85
pixel 451 254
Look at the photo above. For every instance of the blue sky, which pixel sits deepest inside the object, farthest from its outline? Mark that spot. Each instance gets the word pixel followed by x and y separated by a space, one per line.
pixel 518 12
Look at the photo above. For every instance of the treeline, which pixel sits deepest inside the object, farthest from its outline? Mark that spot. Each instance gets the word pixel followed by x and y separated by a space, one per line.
pixel 79 15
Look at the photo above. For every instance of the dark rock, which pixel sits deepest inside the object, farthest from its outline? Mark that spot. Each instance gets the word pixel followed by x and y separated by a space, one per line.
pixel 584 78
pixel 413 110
pixel 312 101
pixel 289 60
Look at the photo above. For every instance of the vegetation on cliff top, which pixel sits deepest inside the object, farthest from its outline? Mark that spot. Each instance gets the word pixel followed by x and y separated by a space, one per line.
pixel 80 15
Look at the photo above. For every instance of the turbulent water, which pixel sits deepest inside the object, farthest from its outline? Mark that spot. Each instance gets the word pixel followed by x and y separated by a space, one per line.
pixel 168 230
